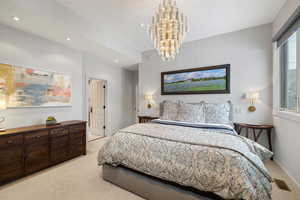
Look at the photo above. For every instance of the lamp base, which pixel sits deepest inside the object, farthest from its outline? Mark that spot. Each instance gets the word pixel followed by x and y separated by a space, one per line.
pixel 251 109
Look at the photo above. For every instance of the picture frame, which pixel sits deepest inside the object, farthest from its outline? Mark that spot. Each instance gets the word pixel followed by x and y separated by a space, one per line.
pixel 201 80
pixel 31 87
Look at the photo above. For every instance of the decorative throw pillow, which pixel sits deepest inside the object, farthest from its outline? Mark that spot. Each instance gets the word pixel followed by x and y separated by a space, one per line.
pixel 218 113
pixel 193 113
pixel 169 110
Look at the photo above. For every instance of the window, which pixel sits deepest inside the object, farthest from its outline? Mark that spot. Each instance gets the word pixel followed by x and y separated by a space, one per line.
pixel 288 48
pixel 288 76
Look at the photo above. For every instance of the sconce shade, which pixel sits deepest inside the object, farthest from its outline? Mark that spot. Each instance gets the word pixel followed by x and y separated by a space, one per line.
pixel 2 102
pixel 148 97
pixel 253 96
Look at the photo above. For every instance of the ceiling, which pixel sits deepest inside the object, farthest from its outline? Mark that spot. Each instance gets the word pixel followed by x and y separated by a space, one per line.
pixel 111 29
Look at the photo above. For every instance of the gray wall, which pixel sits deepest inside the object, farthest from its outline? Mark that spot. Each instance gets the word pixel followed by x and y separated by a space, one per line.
pixel 287 125
pixel 120 92
pixel 19 48
pixel 248 51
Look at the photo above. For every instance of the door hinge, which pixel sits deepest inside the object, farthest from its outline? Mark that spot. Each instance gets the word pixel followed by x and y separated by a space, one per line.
pixel 104 86
pixel 91 109
pixel 104 127
pixel 104 107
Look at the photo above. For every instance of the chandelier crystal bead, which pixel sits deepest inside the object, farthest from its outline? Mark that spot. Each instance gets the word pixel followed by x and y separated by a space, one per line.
pixel 168 29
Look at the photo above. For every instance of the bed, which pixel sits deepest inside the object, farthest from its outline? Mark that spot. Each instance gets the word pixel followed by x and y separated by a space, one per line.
pixel 207 157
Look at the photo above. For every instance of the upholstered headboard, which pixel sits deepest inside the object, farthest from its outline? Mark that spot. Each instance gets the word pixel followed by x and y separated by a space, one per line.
pixel 231 108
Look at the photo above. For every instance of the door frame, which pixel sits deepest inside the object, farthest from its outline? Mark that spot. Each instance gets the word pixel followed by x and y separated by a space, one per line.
pixel 87 78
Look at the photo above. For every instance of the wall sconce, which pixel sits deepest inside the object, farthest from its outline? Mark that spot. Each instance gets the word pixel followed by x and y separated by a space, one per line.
pixel 252 97
pixel 149 98
pixel 2 107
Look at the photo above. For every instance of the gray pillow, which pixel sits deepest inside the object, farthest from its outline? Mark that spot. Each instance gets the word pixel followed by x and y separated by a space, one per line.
pixel 193 113
pixel 169 110
pixel 218 113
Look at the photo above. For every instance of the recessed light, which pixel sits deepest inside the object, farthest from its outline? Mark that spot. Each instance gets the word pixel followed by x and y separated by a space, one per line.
pixel 16 18
pixel 116 61
pixel 142 25
pixel 68 39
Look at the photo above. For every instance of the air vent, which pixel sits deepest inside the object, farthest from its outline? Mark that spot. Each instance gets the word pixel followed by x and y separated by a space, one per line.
pixel 281 184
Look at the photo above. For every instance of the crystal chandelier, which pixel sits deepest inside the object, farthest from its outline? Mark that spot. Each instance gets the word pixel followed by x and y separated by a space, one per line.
pixel 168 29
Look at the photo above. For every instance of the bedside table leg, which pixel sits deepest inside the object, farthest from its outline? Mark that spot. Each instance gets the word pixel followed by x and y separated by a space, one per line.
pixel 269 132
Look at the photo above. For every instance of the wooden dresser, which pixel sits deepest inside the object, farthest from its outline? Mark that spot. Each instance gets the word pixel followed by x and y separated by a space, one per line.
pixel 29 149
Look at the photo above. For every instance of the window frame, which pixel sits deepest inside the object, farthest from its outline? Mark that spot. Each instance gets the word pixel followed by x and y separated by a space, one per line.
pixel 282 59
pixel 298 69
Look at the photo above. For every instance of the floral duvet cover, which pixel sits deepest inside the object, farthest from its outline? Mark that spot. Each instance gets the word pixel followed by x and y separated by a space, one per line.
pixel 213 158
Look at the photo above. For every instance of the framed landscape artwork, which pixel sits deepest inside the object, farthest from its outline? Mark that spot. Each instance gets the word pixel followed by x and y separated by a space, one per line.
pixel 203 80
pixel 26 87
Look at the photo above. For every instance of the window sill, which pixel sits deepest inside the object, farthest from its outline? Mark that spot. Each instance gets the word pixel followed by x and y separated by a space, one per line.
pixel 292 116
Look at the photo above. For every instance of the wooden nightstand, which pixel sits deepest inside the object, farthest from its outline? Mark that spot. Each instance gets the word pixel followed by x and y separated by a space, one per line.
pixel 146 119
pixel 257 130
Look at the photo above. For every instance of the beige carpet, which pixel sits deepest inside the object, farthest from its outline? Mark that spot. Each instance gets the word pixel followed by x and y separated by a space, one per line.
pixel 80 179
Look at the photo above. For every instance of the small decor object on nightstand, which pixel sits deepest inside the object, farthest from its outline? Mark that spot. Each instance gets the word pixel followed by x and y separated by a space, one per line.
pixel 257 130
pixel 51 121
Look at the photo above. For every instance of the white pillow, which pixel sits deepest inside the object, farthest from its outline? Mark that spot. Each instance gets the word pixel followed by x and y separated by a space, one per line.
pixel 218 113
pixel 193 113
pixel 169 110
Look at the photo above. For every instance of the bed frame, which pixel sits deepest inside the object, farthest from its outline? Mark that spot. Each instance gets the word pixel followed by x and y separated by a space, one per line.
pixel 151 188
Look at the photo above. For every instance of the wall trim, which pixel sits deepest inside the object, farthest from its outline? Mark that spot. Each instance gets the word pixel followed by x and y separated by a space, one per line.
pixel 282 166
pixel 290 116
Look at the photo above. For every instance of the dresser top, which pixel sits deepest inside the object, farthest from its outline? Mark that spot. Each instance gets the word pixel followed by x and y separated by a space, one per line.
pixel 39 127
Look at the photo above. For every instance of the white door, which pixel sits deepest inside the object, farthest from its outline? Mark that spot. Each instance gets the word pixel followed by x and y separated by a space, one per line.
pixel 97 107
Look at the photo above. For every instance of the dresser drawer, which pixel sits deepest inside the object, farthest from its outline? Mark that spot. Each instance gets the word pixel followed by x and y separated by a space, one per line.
pixel 11 171
pixel 59 155
pixel 76 141
pixel 36 157
pixel 59 142
pixel 58 132
pixel 77 128
pixel 7 141
pixel 10 155
pixel 76 135
pixel 36 137
pixel 76 150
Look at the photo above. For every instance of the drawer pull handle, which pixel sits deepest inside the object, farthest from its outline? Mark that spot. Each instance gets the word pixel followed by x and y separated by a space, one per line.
pixel 9 142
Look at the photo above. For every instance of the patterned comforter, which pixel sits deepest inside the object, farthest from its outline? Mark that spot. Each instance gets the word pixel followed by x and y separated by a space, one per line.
pixel 208 159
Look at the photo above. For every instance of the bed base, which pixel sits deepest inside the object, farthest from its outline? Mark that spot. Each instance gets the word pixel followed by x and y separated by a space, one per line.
pixel 151 188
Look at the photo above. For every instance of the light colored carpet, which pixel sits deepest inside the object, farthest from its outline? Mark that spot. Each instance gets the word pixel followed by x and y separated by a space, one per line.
pixel 80 179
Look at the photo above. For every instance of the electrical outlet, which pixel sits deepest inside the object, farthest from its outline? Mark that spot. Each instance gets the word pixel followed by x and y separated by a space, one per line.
pixel 238 110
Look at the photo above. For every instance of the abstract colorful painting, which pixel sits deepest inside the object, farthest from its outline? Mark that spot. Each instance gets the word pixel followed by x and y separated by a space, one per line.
pixel 203 80
pixel 26 87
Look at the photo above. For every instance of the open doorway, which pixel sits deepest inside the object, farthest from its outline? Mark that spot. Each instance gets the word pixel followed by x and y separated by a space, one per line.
pixel 96 108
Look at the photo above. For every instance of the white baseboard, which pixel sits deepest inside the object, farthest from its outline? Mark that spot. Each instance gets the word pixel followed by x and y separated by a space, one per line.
pixel 287 172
